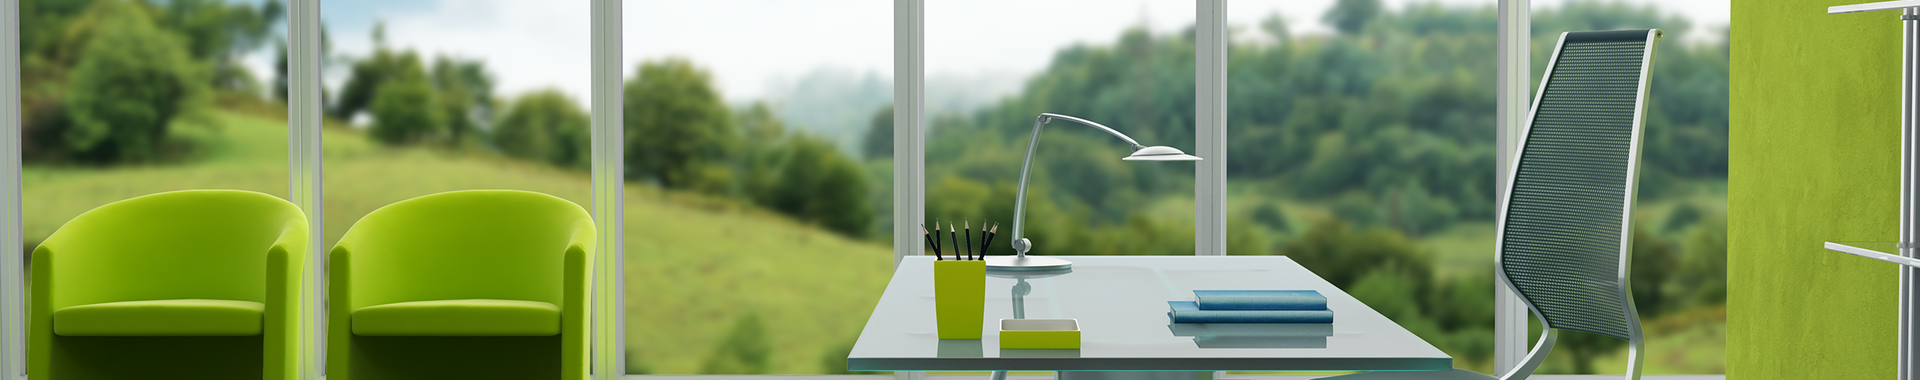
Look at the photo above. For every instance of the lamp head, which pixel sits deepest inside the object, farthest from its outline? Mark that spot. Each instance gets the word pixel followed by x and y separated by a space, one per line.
pixel 1160 153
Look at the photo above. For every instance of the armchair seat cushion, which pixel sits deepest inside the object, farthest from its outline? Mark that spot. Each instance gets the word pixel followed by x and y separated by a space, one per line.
pixel 471 317
pixel 180 317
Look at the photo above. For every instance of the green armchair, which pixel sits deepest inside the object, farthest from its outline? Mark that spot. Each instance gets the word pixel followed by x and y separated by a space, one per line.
pixel 477 284
pixel 201 284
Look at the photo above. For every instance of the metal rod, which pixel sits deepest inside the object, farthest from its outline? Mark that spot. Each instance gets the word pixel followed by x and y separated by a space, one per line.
pixel 1907 114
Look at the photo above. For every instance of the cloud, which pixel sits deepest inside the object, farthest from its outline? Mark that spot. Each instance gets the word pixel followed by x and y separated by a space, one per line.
pixel 528 45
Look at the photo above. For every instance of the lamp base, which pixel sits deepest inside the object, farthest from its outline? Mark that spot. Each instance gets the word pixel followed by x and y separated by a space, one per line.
pixel 1026 263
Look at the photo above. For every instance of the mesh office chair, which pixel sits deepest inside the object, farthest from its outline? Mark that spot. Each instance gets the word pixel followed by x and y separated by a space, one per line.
pixel 1565 226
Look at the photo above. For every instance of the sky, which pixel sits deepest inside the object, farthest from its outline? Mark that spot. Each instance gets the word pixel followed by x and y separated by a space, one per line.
pixel 752 45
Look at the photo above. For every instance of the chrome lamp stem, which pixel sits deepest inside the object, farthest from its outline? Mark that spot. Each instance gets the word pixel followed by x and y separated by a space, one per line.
pixel 1020 244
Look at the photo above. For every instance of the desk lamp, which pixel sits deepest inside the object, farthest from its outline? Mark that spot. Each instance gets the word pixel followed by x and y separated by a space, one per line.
pixel 1020 261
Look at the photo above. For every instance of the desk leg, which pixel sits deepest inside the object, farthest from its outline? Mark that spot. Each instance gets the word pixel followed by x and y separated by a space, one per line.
pixel 1136 375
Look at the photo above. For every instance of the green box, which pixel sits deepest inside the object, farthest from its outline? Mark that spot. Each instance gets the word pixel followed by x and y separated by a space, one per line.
pixel 1040 334
pixel 960 298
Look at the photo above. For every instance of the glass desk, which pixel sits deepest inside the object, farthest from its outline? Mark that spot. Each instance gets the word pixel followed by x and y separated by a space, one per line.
pixel 1121 303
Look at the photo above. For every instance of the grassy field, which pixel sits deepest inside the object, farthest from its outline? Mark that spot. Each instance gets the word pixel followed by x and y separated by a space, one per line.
pixel 696 266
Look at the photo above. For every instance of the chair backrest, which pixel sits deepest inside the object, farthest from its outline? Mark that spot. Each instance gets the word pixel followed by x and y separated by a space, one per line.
pixel 492 244
pixel 210 244
pixel 1565 225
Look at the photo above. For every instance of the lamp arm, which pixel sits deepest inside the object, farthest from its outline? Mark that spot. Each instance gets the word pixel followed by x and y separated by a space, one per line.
pixel 1020 244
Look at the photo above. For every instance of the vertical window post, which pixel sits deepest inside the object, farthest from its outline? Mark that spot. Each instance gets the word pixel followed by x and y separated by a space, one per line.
pixel 1510 115
pixel 303 169
pixel 608 142
pixel 1210 129
pixel 13 310
pixel 909 129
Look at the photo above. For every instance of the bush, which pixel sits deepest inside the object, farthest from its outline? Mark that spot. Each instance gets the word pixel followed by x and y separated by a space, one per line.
pixel 675 123
pixel 545 126
pixel 132 80
pixel 744 351
pixel 405 108
pixel 819 184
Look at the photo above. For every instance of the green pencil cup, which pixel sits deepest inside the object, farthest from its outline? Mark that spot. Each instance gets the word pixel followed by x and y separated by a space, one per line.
pixel 960 298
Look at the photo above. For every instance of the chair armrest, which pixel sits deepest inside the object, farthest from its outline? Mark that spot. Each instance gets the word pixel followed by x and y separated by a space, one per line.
pixel 575 313
pixel 281 328
pixel 339 304
pixel 40 313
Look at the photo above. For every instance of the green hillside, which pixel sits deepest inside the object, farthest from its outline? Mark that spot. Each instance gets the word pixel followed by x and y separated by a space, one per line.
pixel 697 266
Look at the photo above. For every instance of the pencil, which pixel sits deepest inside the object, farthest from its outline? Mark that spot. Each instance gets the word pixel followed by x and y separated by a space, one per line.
pixel 929 237
pixel 968 226
pixel 936 237
pixel 986 238
pixel 955 235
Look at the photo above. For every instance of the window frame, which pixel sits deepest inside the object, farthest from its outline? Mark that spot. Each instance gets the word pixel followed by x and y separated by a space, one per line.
pixel 303 19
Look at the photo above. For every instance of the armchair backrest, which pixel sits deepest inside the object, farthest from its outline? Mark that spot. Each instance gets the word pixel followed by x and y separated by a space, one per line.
pixel 1565 227
pixel 210 244
pixel 492 244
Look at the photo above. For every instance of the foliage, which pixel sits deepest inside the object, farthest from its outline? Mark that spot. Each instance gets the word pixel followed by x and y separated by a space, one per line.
pixel 676 123
pixel 466 97
pixel 818 184
pixel 744 350
pixel 405 107
pixel 878 143
pixel 1349 16
pixel 218 31
pixel 545 126
pixel 131 82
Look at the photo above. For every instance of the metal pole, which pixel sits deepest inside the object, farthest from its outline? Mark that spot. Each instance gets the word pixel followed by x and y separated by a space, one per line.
pixel 1910 44
pixel 1210 129
pixel 1510 116
pixel 609 195
pixel 303 169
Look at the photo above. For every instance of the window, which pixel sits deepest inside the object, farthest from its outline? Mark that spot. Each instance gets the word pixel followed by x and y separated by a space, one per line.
pixel 992 70
pixel 1362 146
pixel 147 99
pixel 759 164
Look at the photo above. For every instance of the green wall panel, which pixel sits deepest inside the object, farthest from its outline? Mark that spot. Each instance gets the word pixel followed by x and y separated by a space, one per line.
pixel 1814 157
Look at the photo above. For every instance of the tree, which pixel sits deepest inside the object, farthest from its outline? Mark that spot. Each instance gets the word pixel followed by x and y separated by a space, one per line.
pixel 406 109
pixel 819 184
pixel 676 124
pixel 545 126
pixel 365 77
pixel 1350 16
pixel 466 95
pixel 218 31
pixel 131 82
pixel 879 141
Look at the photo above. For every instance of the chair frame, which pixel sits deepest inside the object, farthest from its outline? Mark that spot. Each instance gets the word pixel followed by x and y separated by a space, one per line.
pixel 1637 341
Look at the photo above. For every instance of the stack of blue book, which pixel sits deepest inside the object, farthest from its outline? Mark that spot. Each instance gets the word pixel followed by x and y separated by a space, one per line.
pixel 1252 306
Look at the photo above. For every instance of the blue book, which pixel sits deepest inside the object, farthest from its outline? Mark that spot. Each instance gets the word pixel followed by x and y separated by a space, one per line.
pixel 1259 300
pixel 1189 312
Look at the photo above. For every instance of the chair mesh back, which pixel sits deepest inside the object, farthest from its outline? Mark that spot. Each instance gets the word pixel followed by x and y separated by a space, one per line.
pixel 1562 246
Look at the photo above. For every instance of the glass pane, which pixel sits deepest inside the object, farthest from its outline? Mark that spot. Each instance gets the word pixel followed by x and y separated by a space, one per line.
pixel 1680 239
pixel 122 100
pixel 1361 143
pixel 759 177
pixel 992 71
pixel 428 97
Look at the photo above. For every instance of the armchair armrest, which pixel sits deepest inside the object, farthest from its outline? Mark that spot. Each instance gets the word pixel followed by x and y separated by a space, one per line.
pixel 40 313
pixel 281 329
